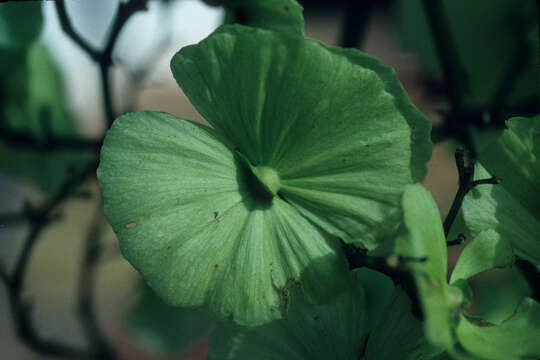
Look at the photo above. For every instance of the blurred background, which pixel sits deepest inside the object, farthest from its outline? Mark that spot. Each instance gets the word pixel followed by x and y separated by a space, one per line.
pixel 53 117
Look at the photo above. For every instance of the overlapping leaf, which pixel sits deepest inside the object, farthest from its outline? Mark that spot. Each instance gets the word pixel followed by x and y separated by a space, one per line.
pixel 511 208
pixel 333 331
pixel 342 159
pixel 445 322
pixel 231 218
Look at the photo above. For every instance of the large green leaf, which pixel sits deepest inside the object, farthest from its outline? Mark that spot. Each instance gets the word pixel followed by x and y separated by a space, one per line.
pixel 333 331
pixel 400 335
pixel 194 220
pixel 516 338
pixel 487 251
pixel 20 24
pixel 489 34
pixel 335 125
pixel 493 207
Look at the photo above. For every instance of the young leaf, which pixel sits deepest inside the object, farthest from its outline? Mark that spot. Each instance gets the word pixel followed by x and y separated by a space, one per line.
pixel 516 338
pixel 333 331
pixel 486 251
pixel 425 235
pixel 424 241
pixel 342 159
pixel 191 217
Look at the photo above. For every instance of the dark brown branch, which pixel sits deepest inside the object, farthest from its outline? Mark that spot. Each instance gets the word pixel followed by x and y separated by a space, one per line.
pixel 391 266
pixel 458 241
pixel 355 24
pixel 466 183
pixel 103 57
pixel 50 143
pixel 453 70
pixel 70 31
pixel 85 293
pixel 20 308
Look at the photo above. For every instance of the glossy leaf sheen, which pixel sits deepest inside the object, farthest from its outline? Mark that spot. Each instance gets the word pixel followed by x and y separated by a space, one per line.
pixel 187 217
pixel 486 251
pixel 343 158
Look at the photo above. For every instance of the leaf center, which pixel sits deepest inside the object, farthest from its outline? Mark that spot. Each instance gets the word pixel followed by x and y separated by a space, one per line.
pixel 268 177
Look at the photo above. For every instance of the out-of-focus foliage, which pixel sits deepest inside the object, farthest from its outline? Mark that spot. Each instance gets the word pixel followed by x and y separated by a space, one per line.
pixel 32 100
pixel 278 15
pixel 20 24
pixel 490 35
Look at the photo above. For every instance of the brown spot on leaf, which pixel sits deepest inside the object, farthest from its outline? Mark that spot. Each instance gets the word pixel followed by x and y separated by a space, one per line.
pixel 131 225
pixel 216 266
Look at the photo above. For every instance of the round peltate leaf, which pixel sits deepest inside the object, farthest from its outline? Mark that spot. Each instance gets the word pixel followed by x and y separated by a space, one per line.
pixel 194 220
pixel 334 124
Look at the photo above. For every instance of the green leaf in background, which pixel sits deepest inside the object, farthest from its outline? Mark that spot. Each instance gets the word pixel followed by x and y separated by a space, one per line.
pixel 162 328
pixel 277 15
pixel 492 207
pixel 379 290
pixel 20 24
pixel 310 332
pixel 400 335
pixel 497 294
pixel 515 338
pixel 489 35
pixel 343 160
pixel 486 251
pixel 230 218
pixel 515 157
pixel 33 102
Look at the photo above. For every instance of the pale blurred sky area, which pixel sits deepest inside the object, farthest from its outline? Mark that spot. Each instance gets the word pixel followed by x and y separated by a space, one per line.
pixel 175 25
